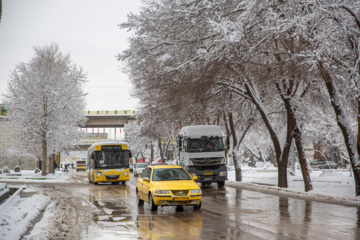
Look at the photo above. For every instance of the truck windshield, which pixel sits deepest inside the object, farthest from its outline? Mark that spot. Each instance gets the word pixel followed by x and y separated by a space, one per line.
pixel 205 144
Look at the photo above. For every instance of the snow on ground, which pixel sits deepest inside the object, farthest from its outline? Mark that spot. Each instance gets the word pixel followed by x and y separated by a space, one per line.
pixel 17 213
pixel 336 186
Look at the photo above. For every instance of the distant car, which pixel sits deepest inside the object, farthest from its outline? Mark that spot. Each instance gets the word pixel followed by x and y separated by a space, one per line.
pixel 167 185
pixel 80 165
pixel 329 165
pixel 138 168
pixel 316 162
pixel 131 168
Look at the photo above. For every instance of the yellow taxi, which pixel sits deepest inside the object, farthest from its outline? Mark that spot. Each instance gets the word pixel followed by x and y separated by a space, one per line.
pixel 167 185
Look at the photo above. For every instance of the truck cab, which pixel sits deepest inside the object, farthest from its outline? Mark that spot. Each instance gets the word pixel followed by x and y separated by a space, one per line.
pixel 202 153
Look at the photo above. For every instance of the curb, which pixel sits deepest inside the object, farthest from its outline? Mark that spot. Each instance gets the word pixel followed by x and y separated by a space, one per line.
pixel 295 194
pixel 4 178
pixel 32 178
pixel 8 202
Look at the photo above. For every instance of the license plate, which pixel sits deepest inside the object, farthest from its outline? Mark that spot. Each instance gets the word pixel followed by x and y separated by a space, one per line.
pixel 181 198
pixel 208 173
pixel 207 179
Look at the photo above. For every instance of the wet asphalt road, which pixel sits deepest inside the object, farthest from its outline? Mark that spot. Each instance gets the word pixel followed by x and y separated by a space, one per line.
pixel 228 213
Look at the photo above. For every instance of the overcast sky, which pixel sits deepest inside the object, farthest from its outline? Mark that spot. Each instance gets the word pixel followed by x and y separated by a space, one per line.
pixel 86 29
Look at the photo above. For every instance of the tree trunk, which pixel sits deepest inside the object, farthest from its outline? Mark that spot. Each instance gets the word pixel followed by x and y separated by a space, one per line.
pixel 343 123
pixel 302 160
pixel 235 155
pixel 51 163
pixel 151 152
pixel 282 167
pixel 238 173
pixel 282 164
pixel 44 155
pixel 358 120
pixel 160 149
pixel 227 137
pixel 300 148
pixel 232 129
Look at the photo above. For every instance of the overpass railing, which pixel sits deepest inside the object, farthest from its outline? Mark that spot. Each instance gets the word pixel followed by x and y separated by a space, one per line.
pixel 111 112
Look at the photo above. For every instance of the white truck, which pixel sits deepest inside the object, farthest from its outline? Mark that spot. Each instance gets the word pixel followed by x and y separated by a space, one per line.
pixel 202 154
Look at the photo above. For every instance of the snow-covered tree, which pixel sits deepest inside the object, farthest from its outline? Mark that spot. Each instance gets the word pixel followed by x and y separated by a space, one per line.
pixel 46 101
pixel 187 55
pixel 137 143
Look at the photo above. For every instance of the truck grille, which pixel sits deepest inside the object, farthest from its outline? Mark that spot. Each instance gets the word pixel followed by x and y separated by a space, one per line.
pixel 203 168
pixel 206 161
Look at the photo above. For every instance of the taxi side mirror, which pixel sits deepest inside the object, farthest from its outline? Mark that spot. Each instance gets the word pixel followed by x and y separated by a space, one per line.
pixel 195 178
pixel 146 179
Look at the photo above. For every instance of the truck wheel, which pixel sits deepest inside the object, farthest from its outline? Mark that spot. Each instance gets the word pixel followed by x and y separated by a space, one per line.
pixel 152 204
pixel 140 202
pixel 221 184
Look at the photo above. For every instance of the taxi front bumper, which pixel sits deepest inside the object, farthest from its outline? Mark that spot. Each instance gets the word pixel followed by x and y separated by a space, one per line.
pixel 170 200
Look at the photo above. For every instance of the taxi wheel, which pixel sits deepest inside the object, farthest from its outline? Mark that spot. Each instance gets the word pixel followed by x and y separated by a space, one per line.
pixel 152 204
pixel 140 202
pixel 197 207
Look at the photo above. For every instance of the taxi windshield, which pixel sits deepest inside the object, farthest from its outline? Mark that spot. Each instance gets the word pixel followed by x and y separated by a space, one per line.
pixel 170 174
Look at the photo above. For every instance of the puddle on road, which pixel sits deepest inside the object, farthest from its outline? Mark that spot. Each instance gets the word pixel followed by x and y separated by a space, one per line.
pixel 110 211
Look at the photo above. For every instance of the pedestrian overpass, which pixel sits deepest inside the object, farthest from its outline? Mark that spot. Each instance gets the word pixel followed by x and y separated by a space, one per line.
pixel 109 119
pixel 103 119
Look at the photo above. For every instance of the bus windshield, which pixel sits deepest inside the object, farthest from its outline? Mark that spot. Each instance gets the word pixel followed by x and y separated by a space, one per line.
pixel 111 159
pixel 205 144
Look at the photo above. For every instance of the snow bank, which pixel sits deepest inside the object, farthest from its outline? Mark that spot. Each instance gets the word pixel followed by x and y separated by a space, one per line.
pixel 16 214
pixel 336 186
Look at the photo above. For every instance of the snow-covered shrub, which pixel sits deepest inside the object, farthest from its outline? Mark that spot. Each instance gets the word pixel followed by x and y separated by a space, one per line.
pixel 37 170
pixel 17 169
pixel 6 169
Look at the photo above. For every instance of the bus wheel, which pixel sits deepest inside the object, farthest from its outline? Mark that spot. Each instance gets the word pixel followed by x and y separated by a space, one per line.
pixel 221 184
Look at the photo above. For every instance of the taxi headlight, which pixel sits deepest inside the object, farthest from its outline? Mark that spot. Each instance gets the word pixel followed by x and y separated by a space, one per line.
pixel 196 191
pixel 162 191
pixel 98 173
pixel 125 173
pixel 223 174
